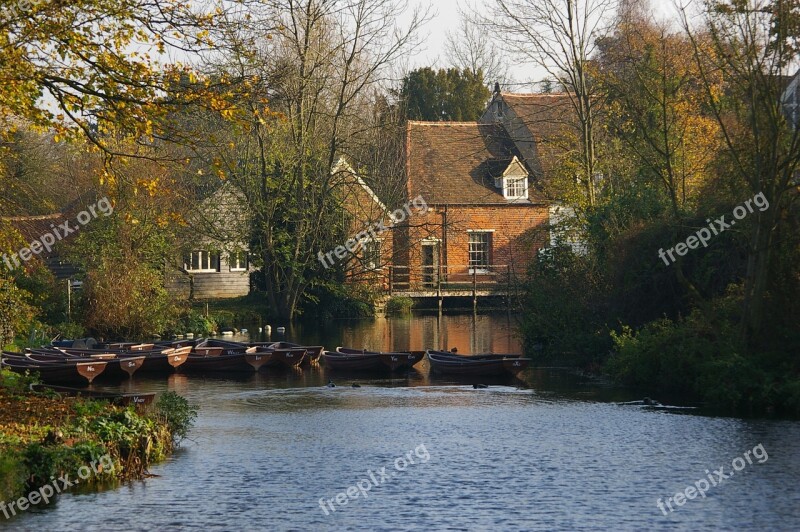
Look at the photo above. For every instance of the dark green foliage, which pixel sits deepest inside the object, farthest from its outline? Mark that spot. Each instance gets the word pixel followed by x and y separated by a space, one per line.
pixel 178 414
pixel 338 301
pixel 47 461
pixel 399 305
pixel 564 309
pixel 703 357
pixel 13 475
pixel 439 95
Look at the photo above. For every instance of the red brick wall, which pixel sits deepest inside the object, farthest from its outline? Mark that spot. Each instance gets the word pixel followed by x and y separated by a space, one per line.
pixel 519 232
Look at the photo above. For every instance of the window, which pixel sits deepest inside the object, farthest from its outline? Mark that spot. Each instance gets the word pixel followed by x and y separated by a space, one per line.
pixel 372 255
pixel 480 244
pixel 516 188
pixel 238 261
pixel 202 261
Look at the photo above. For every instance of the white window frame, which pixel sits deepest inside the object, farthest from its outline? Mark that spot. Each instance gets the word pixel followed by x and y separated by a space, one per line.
pixel 235 264
pixel 205 258
pixel 489 237
pixel 507 188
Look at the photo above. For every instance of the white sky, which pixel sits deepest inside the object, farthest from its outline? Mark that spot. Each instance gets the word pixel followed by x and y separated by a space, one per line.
pixel 446 18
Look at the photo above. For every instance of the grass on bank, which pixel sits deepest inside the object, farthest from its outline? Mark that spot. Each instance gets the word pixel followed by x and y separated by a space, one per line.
pixel 42 437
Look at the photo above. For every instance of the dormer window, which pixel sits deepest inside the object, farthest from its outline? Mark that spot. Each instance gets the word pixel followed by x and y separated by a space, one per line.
pixel 514 181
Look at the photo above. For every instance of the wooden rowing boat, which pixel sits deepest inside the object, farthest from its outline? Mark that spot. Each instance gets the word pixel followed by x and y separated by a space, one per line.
pixel 116 368
pixel 124 399
pixel 336 360
pixel 362 360
pixel 223 363
pixel 66 372
pixel 313 352
pixel 394 361
pixel 477 365
pixel 286 358
pixel 158 360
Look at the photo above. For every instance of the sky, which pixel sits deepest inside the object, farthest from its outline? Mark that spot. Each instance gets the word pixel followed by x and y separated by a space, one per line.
pixel 446 18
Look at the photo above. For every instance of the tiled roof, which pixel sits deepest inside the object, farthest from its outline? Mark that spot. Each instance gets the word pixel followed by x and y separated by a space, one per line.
pixel 549 118
pixel 455 162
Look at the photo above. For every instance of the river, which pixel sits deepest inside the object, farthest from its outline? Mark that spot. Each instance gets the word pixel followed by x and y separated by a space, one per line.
pixel 557 452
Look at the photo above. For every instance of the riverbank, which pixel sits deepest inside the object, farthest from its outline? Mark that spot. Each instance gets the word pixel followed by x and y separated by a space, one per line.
pixel 43 438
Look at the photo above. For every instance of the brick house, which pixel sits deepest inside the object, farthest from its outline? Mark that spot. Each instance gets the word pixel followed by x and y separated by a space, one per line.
pixel 367 254
pixel 483 182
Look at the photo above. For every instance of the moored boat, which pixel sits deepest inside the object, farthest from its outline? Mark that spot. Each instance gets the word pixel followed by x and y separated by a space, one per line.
pixel 477 365
pixel 395 361
pixel 313 352
pixel 222 363
pixel 336 360
pixel 124 399
pixel 158 360
pixel 116 368
pixel 362 360
pixel 287 358
pixel 67 372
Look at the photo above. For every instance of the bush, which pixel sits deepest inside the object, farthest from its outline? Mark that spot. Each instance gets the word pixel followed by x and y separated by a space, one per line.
pixel 125 299
pixel 178 414
pixel 564 309
pixel 224 319
pixel 15 312
pixel 701 357
pixel 69 330
pixel 13 475
pixel 399 305
pixel 195 321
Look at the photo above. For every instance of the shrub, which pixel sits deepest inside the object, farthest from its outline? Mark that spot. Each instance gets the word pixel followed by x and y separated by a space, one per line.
pixel 399 305
pixel 178 414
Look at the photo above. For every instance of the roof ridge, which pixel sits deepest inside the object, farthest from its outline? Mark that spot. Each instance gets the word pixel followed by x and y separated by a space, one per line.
pixel 532 94
pixel 443 123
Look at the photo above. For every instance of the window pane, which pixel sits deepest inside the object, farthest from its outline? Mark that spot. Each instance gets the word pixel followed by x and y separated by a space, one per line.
pixel 372 254
pixel 238 260
pixel 516 188
pixel 479 250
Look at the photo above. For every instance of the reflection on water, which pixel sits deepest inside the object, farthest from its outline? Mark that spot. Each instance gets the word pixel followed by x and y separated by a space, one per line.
pixel 483 333
pixel 555 453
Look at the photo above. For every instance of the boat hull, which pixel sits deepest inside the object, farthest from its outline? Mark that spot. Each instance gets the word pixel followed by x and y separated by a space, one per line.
pixel 57 372
pixel 476 365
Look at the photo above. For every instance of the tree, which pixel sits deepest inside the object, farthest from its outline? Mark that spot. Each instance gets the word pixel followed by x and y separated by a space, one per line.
pixel 471 48
pixel 560 36
pixel 756 43
pixel 318 64
pixel 655 106
pixel 71 66
pixel 444 95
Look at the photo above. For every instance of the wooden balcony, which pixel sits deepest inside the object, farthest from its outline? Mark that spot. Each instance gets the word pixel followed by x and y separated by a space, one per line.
pixel 452 281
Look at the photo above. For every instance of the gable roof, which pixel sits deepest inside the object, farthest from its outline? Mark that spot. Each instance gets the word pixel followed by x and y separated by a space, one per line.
pixel 456 162
pixel 356 196
pixel 548 118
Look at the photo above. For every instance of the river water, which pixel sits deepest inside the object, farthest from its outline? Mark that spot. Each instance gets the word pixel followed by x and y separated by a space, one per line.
pixel 555 452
